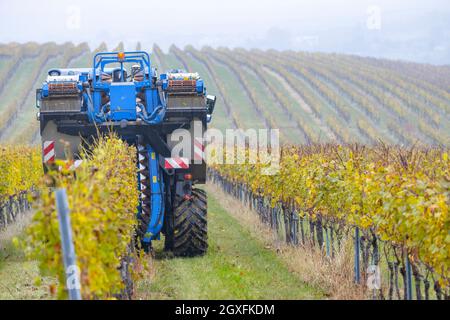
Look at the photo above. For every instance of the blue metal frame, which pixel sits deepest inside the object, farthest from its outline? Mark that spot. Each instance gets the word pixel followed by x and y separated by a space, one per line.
pixel 155 109
pixel 157 196
pixel 103 58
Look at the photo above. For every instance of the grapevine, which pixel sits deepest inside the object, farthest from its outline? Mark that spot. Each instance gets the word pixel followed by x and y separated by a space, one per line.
pixel 103 197
pixel 402 195
pixel 20 170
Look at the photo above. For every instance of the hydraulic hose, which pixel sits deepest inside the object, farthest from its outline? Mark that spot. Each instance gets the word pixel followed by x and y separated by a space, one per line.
pixel 155 117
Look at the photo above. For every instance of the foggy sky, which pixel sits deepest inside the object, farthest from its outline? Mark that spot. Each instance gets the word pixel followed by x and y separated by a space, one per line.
pixel 400 29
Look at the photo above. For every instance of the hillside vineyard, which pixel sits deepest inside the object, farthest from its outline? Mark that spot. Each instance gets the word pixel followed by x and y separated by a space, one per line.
pixel 310 97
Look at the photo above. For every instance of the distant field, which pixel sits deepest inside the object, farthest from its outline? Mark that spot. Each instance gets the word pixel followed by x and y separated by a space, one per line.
pixel 310 97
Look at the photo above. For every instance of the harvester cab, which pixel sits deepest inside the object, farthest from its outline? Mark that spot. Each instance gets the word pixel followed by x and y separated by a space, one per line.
pixel 123 93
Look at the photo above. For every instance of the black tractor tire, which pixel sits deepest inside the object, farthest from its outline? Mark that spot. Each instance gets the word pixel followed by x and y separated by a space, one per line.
pixel 189 234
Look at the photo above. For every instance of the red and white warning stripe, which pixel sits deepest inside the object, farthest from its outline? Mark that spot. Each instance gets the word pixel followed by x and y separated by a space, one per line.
pixel 70 165
pixel 176 163
pixel 199 149
pixel 75 164
pixel 48 150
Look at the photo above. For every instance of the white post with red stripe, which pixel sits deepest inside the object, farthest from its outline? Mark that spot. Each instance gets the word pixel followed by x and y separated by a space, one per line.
pixel 199 150
pixel 48 151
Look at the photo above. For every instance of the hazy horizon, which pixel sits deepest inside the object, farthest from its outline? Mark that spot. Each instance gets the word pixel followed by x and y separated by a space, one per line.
pixel 406 30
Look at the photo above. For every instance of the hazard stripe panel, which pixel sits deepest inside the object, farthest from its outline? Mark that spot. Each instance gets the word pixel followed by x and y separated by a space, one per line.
pixel 48 151
pixel 176 163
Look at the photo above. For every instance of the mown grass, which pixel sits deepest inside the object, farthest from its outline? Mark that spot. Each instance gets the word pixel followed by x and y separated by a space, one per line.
pixel 17 274
pixel 237 266
pixel 334 276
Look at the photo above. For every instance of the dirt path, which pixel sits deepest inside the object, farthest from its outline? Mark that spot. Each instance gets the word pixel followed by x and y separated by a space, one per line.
pixel 237 266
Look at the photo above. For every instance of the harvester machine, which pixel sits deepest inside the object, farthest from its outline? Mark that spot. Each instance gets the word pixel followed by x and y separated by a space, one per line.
pixel 123 93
